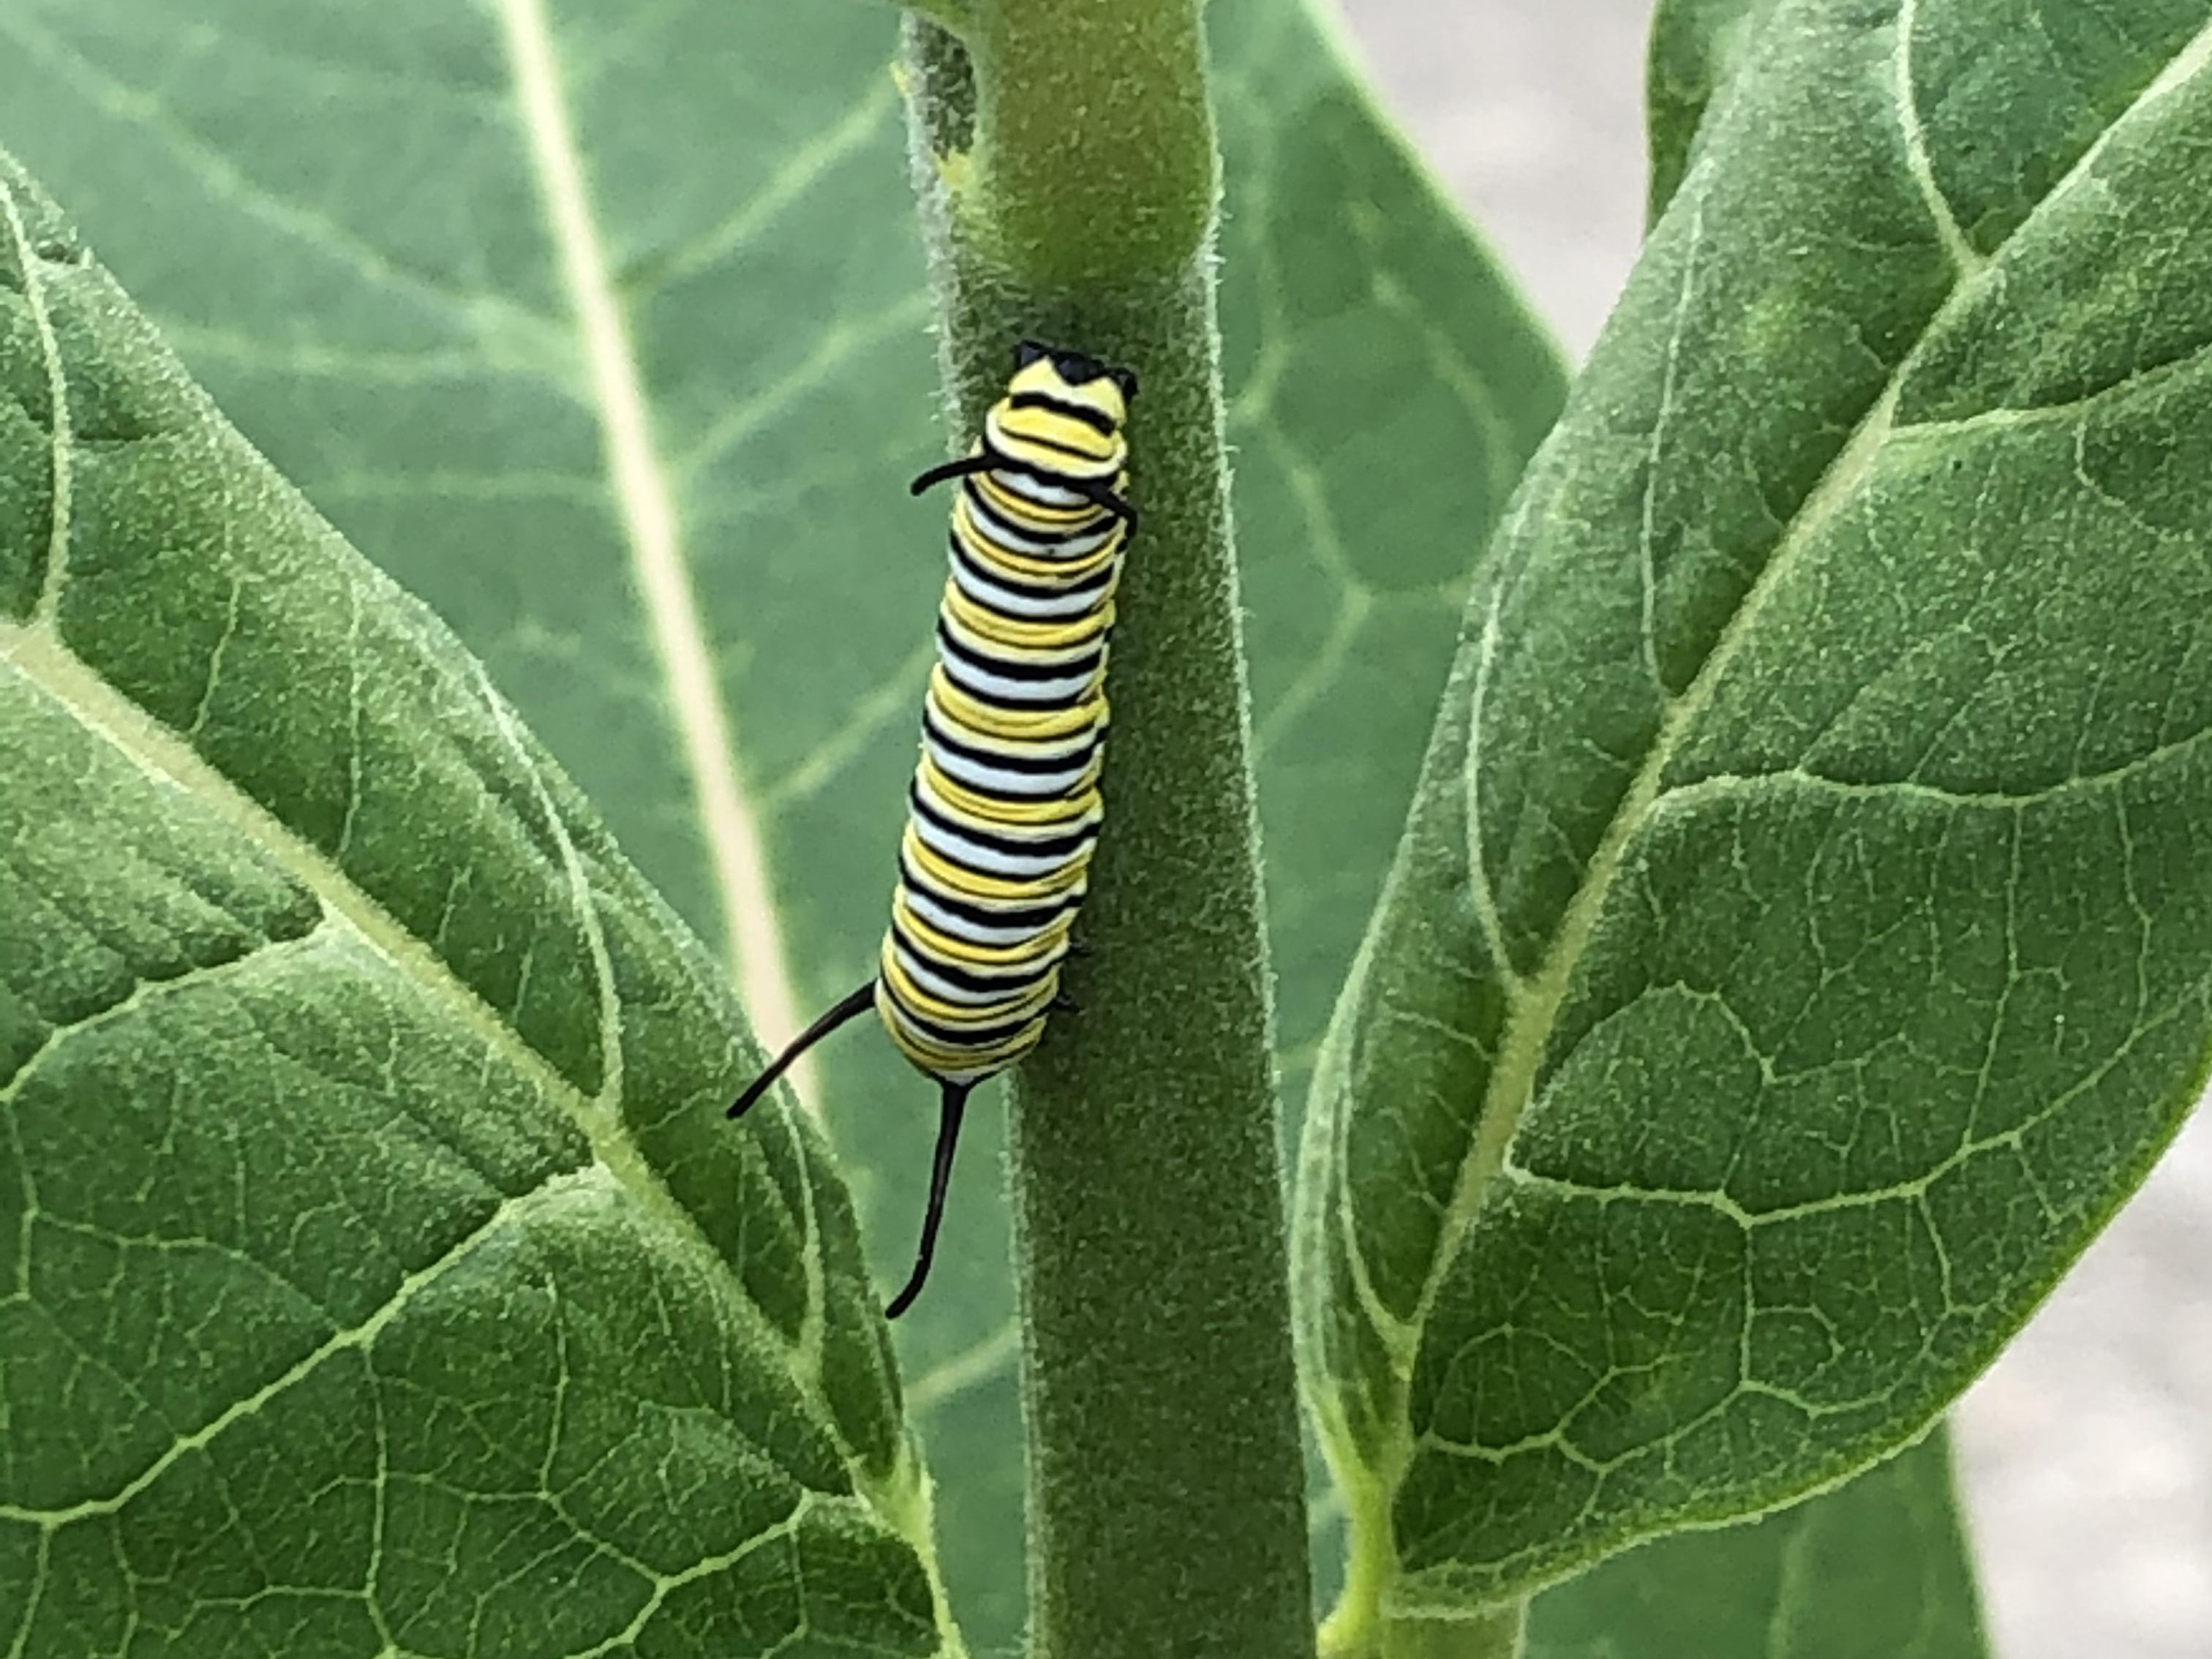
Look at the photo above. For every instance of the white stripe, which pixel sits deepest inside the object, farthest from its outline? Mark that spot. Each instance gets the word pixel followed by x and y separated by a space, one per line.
pixel 1087 817
pixel 922 1039
pixel 968 932
pixel 1003 688
pixel 1008 996
pixel 1069 884
pixel 989 861
pixel 966 1019
pixel 1041 544
pixel 1000 781
pixel 1087 647
pixel 1018 973
pixel 1009 993
pixel 1063 746
pixel 1008 602
pixel 1029 953
pixel 1023 488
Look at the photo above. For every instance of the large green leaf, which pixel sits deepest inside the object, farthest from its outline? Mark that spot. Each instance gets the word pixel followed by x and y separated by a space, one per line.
pixel 1877 1570
pixel 345 219
pixel 382 1275
pixel 1799 947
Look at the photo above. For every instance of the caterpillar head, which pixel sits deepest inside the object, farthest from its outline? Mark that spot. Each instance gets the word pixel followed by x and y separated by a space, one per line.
pixel 1075 375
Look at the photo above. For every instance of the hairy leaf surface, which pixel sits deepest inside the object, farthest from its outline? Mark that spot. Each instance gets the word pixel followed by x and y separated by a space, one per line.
pixel 1697 47
pixel 1800 947
pixel 1877 1570
pixel 602 329
pixel 380 1274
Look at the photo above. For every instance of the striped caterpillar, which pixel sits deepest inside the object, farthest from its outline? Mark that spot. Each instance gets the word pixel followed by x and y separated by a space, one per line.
pixel 1005 807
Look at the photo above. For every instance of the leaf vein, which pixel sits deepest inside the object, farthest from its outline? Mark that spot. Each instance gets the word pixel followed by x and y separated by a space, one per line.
pixel 145 991
pixel 58 424
pixel 353 1337
pixel 1683 796
pixel 157 752
pixel 1918 160
pixel 482 311
pixel 802 165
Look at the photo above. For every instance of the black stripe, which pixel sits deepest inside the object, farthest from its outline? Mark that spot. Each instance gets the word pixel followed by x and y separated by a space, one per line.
pixel 1019 791
pixel 1101 424
pixel 991 518
pixel 1027 916
pixel 1091 585
pixel 1086 659
pixel 1081 628
pixel 1010 702
pixel 1074 482
pixel 1044 846
pixel 1009 986
pixel 958 1037
pixel 1039 764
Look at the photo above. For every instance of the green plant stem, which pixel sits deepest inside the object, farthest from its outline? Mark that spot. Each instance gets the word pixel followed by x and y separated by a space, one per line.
pixel 1165 1481
pixel 1094 155
pixel 1360 1625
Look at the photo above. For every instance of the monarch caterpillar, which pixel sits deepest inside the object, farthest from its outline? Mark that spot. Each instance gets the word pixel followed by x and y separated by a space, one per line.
pixel 1004 809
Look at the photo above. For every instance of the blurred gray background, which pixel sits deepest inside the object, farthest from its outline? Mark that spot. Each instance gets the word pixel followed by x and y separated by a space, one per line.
pixel 2087 1453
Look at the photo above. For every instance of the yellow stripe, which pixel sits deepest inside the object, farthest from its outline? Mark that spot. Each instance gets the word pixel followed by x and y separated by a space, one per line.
pixel 1066 810
pixel 1061 748
pixel 1022 510
pixel 999 654
pixel 1064 432
pixel 937 1061
pixel 1063 573
pixel 1041 450
pixel 1042 943
pixel 934 1009
pixel 936 1058
pixel 1043 375
pixel 1021 634
pixel 962 710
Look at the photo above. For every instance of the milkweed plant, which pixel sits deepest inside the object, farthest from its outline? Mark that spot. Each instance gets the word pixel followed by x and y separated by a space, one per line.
pixel 1639 926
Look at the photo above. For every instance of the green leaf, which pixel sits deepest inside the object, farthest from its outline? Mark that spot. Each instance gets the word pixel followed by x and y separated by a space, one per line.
pixel 342 220
pixel 1798 950
pixel 382 1274
pixel 1876 1570
pixel 1697 47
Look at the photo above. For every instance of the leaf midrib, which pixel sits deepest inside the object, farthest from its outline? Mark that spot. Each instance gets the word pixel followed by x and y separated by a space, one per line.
pixel 1529 1023
pixel 155 750
pixel 555 1189
pixel 638 480
pixel 62 439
